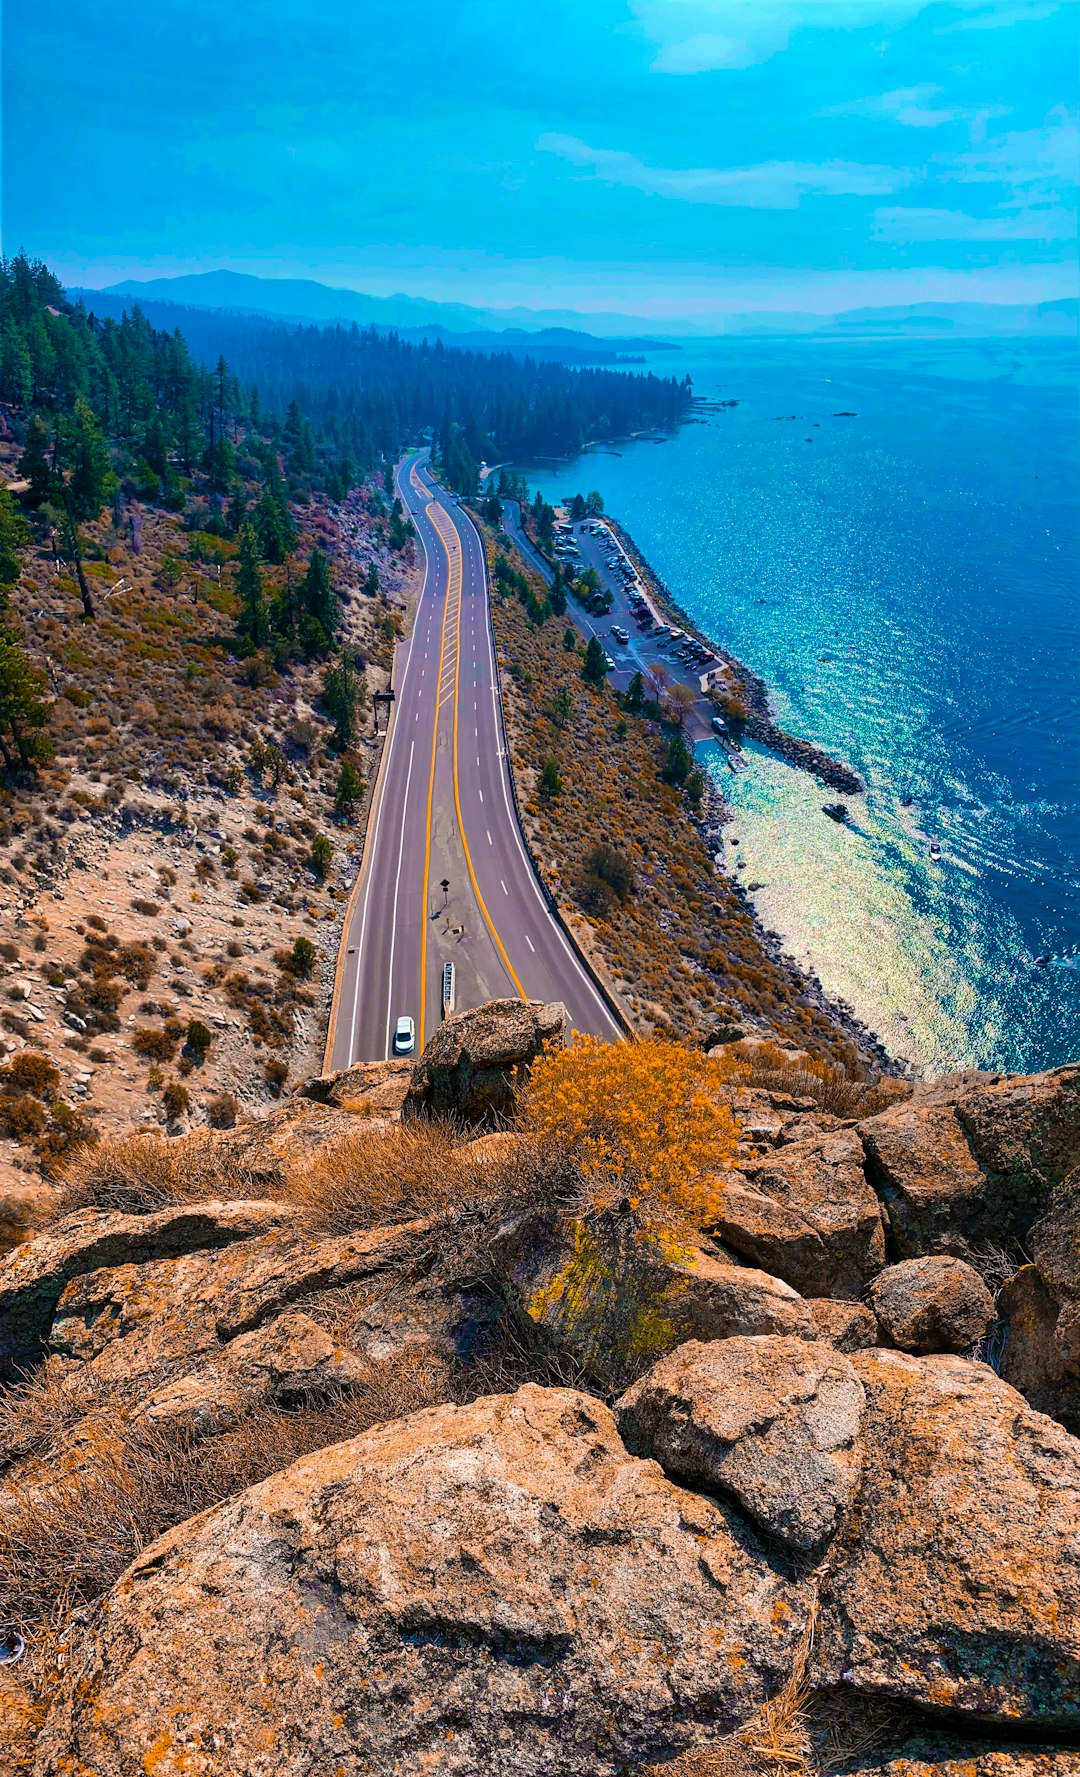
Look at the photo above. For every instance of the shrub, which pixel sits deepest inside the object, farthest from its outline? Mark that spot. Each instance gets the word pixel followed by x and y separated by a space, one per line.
pixel 149 909
pixel 613 868
pixel 641 1121
pixel 222 1112
pixel 276 1073
pixel 549 783
pixel 300 960
pixel 321 856
pixel 31 1073
pixel 22 1117
pixel 155 1045
pixel 198 1037
pixel 176 1099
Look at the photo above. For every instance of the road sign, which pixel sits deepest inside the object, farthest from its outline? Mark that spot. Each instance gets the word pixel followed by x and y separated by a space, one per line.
pixel 449 989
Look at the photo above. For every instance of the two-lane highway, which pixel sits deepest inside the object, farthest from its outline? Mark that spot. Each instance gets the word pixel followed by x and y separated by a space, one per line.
pixel 444 812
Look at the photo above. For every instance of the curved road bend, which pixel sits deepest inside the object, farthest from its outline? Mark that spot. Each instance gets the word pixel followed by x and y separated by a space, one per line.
pixel 444 812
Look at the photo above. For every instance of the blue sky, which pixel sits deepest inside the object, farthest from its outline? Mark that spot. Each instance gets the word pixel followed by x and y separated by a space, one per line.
pixel 664 158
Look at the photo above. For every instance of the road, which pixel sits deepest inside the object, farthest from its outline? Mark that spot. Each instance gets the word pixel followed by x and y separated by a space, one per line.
pixel 444 812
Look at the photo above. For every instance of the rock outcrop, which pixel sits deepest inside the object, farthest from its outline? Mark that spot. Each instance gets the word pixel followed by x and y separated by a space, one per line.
pixel 825 1235
pixel 979 1168
pixel 34 1276
pixel 1040 1307
pixel 932 1304
pixel 469 1069
pixel 955 1585
pixel 772 1423
pixel 497 1588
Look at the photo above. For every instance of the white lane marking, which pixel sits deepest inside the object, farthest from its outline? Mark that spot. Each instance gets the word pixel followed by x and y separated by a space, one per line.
pixel 505 890
pixel 422 605
pixel 550 923
pixel 487 830
pixel 397 887
pixel 530 943
pixel 480 792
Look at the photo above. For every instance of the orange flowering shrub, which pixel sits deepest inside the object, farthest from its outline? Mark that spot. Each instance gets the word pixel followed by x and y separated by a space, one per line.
pixel 640 1120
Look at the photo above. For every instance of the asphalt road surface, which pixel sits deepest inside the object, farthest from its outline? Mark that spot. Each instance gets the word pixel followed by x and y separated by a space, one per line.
pixel 444 812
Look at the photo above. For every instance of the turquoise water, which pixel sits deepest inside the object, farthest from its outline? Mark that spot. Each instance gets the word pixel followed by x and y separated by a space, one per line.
pixel 906 581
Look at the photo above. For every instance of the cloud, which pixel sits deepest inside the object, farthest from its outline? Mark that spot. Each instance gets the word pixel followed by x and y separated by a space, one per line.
pixel 915 107
pixel 698 36
pixel 902 225
pixel 772 185
pixel 1028 163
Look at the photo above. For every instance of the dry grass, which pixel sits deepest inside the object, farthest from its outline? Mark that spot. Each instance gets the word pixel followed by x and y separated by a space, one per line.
pixel 426 1170
pixel 833 1089
pixel 136 1174
pixel 65 1542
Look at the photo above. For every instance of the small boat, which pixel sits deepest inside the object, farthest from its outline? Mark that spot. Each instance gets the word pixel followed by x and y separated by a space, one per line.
pixel 836 811
pixel 935 849
pixel 735 763
pixel 907 802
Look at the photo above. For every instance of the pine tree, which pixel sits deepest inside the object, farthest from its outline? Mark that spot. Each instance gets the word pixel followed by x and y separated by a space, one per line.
pixel 92 481
pixel 350 790
pixel 35 464
pixel 253 622
pixel 22 706
pixel 272 528
pixel 341 689
pixel 317 596
pixel 14 535
pixel 595 666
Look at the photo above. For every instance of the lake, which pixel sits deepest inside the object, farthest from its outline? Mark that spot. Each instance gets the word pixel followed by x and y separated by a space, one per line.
pixel 888 533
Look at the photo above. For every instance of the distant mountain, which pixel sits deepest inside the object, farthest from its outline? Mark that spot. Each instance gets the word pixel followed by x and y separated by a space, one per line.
pixel 575 338
pixel 302 299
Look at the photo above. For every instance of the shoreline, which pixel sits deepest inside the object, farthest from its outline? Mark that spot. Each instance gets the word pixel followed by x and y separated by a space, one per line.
pixel 715 812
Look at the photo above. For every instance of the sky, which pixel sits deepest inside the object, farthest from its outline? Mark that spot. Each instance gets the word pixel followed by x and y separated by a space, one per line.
pixel 672 159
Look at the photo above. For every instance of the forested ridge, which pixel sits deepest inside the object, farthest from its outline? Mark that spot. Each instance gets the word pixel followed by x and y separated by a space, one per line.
pixel 363 393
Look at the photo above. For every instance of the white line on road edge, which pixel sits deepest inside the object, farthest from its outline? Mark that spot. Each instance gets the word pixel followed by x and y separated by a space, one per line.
pixel 549 919
pixel 397 887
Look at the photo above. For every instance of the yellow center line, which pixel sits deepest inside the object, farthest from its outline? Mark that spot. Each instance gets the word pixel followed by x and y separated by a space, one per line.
pixel 431 509
pixel 453 562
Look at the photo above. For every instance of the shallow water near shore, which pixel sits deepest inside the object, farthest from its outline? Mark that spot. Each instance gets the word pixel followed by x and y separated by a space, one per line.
pixel 905 580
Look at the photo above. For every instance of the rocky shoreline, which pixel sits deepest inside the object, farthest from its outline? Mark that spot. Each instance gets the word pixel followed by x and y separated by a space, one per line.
pixel 833 772
pixel 759 723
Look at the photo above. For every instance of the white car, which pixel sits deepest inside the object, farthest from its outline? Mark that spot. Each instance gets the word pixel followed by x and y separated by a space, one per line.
pixel 404 1036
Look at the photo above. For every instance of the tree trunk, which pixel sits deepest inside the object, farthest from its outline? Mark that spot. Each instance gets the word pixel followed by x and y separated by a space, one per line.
pixel 84 590
pixel 9 763
pixel 19 742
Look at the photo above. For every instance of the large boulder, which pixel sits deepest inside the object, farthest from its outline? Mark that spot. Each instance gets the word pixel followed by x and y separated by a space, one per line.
pixel 955 1583
pixel 932 1304
pixel 613 1293
pixel 34 1276
pixel 129 1322
pixel 494 1588
pixel 773 1423
pixel 825 1235
pixel 979 1169
pixel 849 1326
pixel 470 1068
